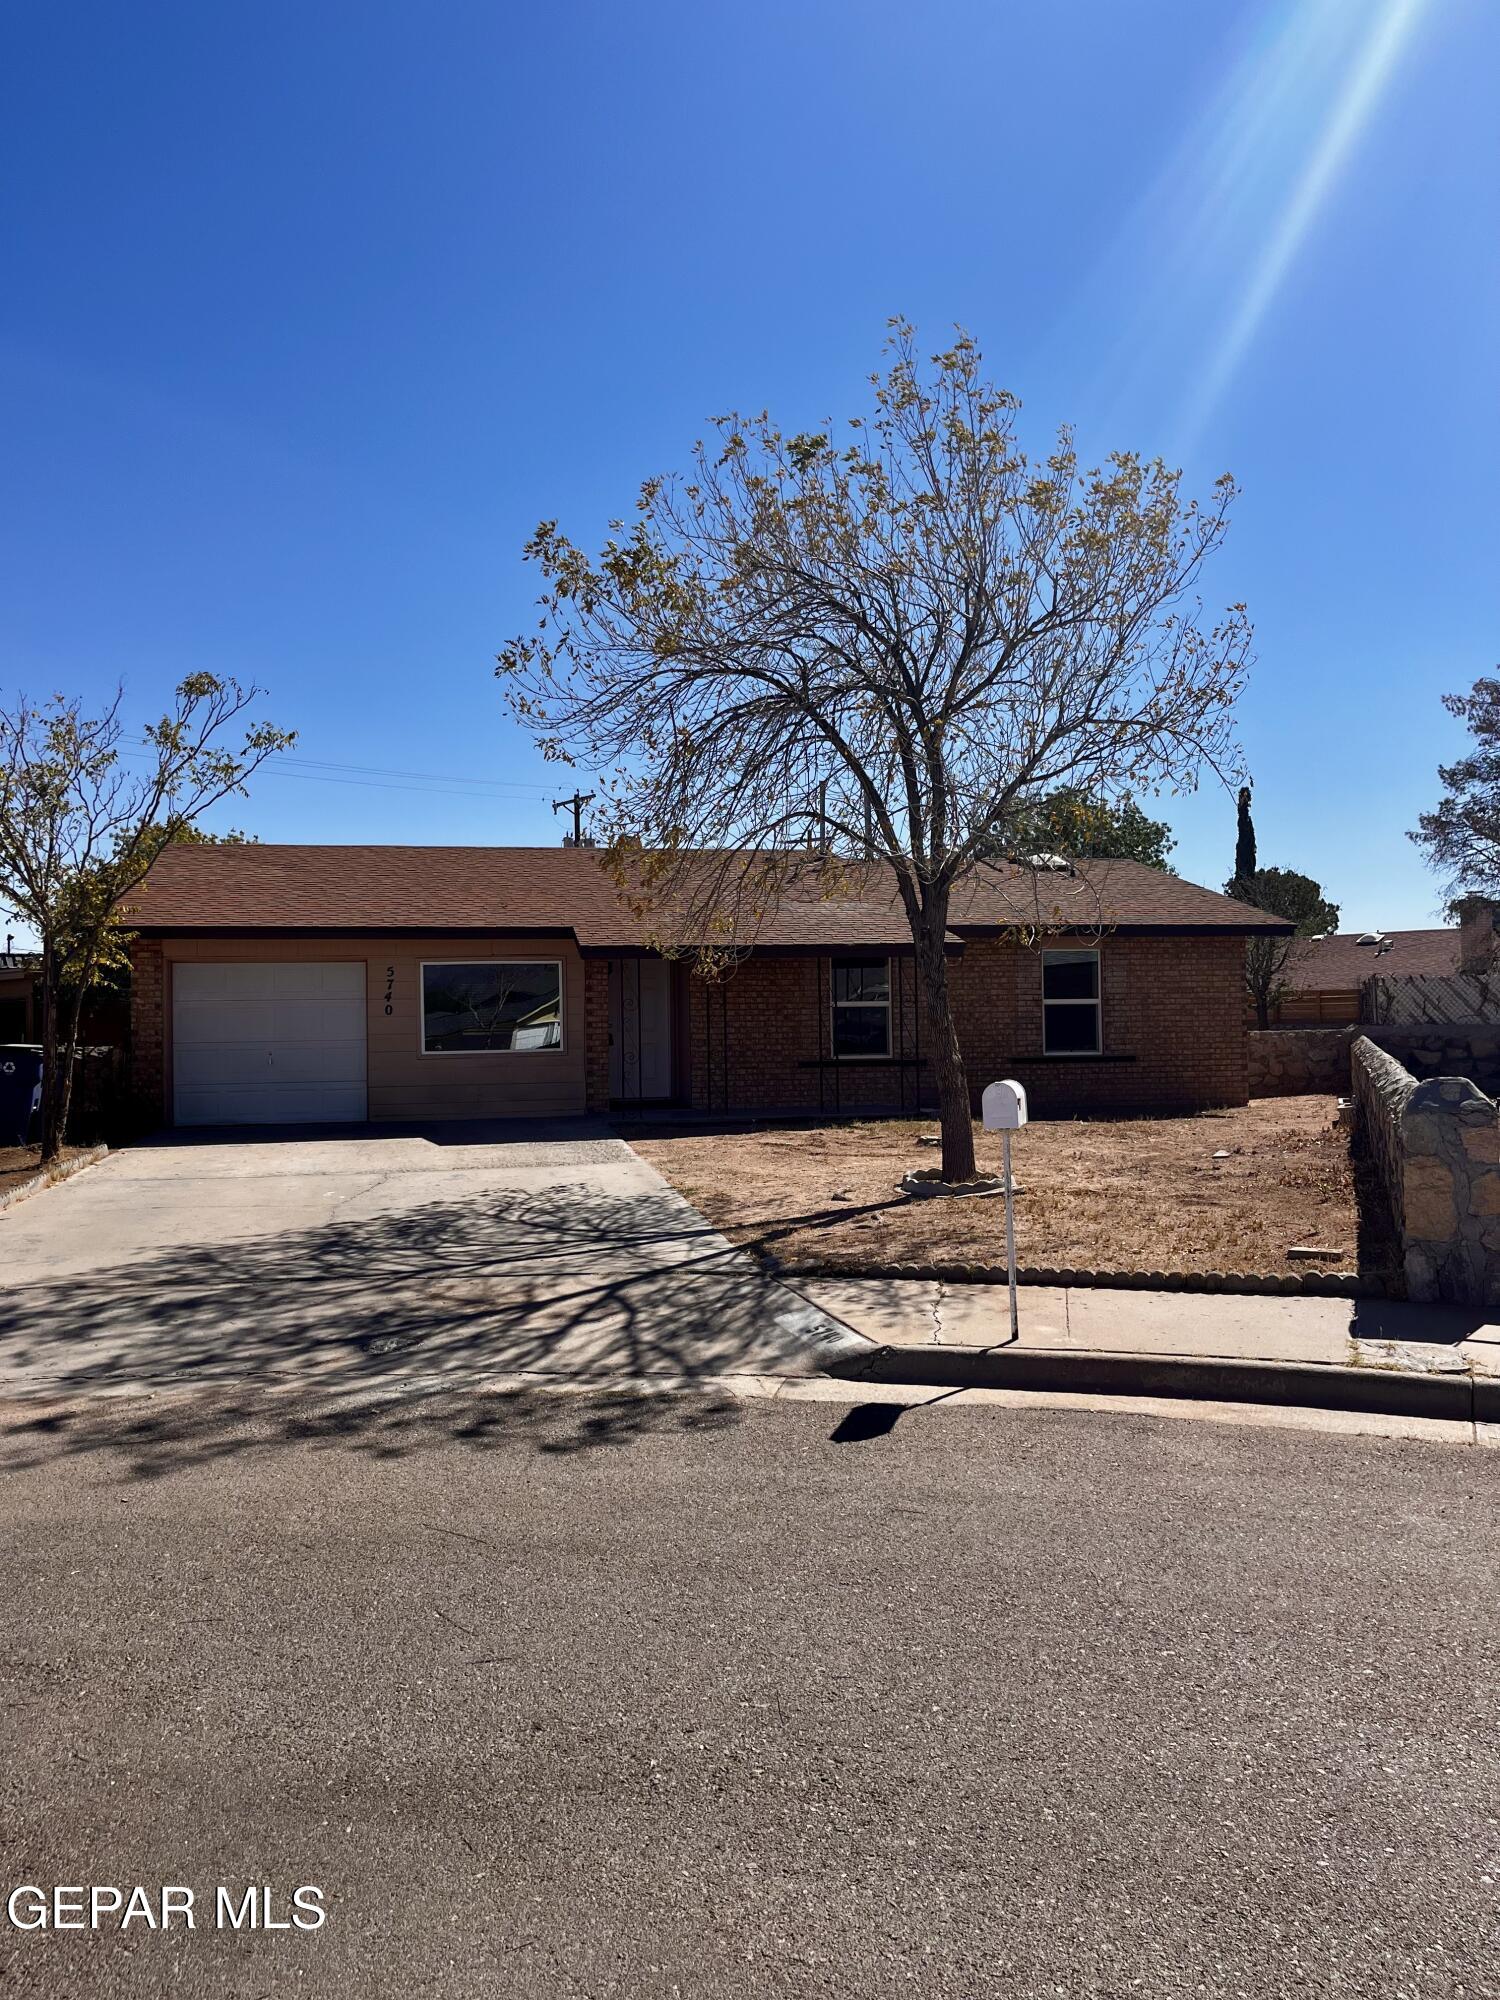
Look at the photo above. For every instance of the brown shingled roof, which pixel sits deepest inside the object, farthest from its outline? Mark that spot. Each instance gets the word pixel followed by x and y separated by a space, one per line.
pixel 560 890
pixel 1339 961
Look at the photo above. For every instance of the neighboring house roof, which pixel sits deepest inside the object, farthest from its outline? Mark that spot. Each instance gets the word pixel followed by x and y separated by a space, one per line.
pixel 1339 961
pixel 551 891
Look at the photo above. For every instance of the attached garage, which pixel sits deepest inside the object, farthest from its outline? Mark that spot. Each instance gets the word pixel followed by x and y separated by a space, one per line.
pixel 262 1043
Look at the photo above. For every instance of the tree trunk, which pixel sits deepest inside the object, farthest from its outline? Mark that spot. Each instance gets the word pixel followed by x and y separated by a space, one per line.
pixel 67 1059
pixel 947 1058
pixel 52 1137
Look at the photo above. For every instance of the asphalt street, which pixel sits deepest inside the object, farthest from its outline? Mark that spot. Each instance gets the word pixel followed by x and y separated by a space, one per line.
pixel 599 1695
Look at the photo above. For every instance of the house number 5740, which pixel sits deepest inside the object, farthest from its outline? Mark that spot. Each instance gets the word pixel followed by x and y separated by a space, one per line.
pixel 390 988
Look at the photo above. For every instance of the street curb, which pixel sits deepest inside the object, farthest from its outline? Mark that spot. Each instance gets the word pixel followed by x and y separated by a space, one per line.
pixel 1307 1385
pixel 54 1177
pixel 1269 1284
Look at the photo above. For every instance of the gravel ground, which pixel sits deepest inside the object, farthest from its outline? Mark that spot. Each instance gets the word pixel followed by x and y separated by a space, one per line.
pixel 588 1696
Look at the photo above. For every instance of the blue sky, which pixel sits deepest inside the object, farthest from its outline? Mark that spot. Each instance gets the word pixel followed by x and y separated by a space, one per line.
pixel 312 311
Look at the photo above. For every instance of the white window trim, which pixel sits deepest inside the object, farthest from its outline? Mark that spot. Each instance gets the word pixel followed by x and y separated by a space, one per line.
pixel 1097 1003
pixel 884 1006
pixel 504 1055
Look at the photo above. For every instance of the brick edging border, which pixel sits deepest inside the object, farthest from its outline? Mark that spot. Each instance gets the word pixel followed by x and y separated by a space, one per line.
pixel 53 1176
pixel 1290 1284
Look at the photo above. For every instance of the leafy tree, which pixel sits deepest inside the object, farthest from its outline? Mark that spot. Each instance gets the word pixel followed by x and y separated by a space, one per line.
pixel 1461 836
pixel 1244 848
pixel 1068 821
pixel 1282 892
pixel 112 969
pixel 885 645
pixel 78 832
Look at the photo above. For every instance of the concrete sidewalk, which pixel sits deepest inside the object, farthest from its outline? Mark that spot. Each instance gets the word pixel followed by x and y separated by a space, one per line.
pixel 1363 1354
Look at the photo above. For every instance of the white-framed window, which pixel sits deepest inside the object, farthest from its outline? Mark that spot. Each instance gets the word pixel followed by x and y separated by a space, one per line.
pixel 490 1006
pixel 861 1006
pixel 1071 1025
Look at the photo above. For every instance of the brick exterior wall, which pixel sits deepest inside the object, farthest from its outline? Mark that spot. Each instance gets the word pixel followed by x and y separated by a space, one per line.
pixel 148 1039
pixel 596 1035
pixel 757 1036
pixel 1174 1005
pixel 1173 1019
pixel 1174 1033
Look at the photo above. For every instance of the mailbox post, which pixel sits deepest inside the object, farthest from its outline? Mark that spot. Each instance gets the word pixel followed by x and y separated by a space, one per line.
pixel 1003 1107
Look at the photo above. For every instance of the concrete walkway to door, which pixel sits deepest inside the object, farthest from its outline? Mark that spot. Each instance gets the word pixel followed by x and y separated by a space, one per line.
pixel 358 1257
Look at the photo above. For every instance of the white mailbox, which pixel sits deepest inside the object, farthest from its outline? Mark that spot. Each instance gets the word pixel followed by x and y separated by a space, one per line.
pixel 1004 1106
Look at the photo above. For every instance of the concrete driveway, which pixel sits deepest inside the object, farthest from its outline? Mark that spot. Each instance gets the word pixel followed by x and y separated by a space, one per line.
pixel 358 1257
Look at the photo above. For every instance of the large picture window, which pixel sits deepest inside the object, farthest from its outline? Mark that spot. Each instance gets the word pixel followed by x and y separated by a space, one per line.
pixel 1070 1003
pixel 862 1007
pixel 490 1005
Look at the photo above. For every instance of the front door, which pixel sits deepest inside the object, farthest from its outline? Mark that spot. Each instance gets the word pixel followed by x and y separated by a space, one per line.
pixel 640 1029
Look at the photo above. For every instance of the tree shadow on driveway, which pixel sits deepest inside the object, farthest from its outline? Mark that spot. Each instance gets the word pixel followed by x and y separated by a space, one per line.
pixel 426 1304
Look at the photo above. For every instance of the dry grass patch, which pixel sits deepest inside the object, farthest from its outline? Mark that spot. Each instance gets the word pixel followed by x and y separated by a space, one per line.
pixel 1142 1194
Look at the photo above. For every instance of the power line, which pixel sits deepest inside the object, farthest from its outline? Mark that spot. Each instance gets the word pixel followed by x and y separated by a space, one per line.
pixel 311 764
pixel 375 777
pixel 463 788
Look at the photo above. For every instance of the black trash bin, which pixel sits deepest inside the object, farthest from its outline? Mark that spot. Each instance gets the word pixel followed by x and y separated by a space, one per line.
pixel 20 1073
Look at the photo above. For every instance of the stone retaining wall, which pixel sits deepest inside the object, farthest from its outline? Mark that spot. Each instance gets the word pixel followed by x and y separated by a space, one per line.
pixel 1299 1062
pixel 1471 1051
pixel 1436 1147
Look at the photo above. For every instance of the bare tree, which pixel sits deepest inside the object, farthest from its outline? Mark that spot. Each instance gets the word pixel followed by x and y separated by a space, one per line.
pixel 1300 900
pixel 888 645
pixel 78 832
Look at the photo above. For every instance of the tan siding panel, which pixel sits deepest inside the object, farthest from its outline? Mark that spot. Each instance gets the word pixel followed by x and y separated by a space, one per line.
pixel 404 1083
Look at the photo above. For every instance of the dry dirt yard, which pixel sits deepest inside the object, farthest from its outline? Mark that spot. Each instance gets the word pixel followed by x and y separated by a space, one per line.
pixel 19 1164
pixel 1142 1194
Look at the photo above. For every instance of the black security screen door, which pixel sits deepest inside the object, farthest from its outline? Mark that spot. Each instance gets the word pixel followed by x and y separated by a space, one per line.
pixel 478 1008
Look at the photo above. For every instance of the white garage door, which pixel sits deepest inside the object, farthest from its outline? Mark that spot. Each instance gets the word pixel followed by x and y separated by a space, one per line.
pixel 268 1044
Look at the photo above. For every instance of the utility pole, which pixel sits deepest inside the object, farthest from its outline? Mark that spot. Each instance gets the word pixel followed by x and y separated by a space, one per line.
pixel 578 801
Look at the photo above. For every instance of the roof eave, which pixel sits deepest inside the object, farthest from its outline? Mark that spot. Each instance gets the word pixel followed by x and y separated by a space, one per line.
pixel 171 930
pixel 1104 928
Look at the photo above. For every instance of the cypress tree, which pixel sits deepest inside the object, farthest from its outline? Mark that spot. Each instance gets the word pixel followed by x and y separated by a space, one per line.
pixel 1244 850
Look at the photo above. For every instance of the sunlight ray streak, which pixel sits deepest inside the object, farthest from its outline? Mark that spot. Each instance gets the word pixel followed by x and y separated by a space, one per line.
pixel 1352 108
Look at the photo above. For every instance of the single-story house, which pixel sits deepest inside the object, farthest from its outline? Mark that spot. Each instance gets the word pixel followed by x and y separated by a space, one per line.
pixel 276 984
pixel 18 1009
pixel 105 1013
pixel 1325 976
